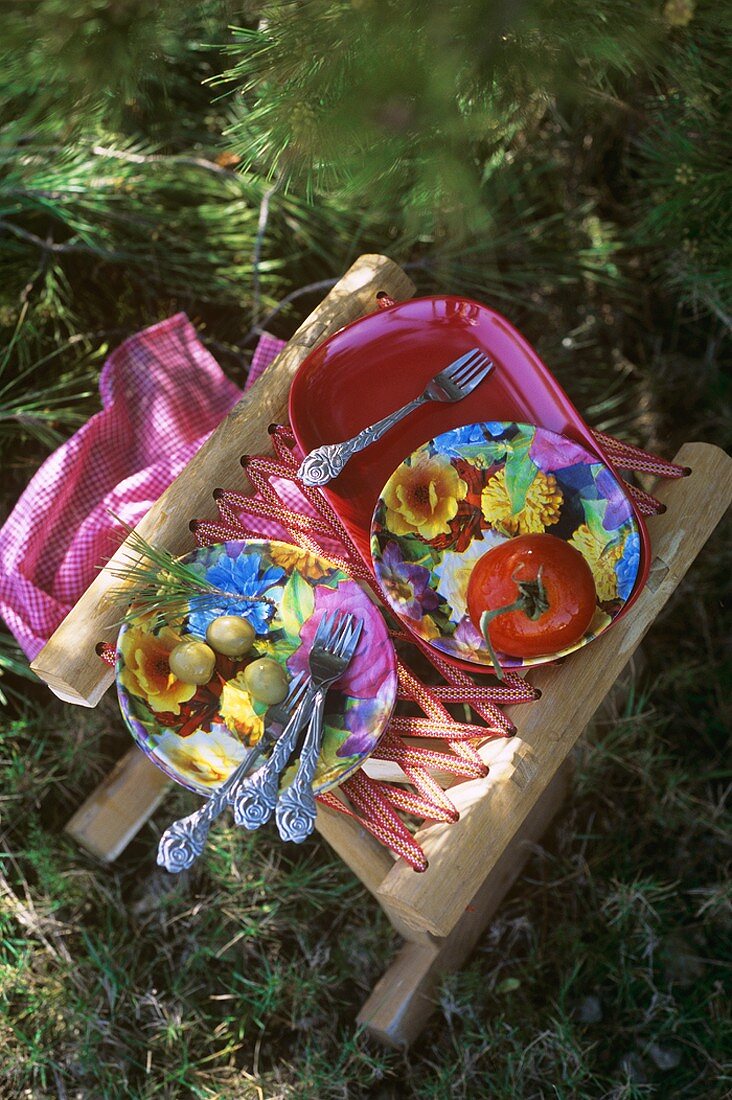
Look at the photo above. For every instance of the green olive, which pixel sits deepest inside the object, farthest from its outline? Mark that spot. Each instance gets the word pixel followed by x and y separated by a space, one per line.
pixel 230 635
pixel 192 662
pixel 266 681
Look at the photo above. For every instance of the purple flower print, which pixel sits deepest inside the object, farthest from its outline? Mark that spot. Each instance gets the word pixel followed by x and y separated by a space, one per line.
pixel 361 720
pixel 552 452
pixel 367 669
pixel 467 637
pixel 619 509
pixel 406 584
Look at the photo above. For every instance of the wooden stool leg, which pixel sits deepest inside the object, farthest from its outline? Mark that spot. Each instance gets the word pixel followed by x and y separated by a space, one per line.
pixel 119 807
pixel 404 998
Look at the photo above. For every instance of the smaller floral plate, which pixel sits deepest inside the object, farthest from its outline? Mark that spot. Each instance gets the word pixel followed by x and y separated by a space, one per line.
pixel 472 488
pixel 198 735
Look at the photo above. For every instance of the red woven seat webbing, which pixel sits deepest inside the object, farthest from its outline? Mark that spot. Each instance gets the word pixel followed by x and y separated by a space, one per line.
pixel 434 740
pixel 305 517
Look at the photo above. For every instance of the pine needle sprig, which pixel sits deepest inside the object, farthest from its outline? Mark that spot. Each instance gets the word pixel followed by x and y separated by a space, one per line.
pixel 160 587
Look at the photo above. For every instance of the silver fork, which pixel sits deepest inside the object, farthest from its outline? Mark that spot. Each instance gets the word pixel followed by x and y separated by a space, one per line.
pixel 257 796
pixel 296 807
pixel 183 841
pixel 452 383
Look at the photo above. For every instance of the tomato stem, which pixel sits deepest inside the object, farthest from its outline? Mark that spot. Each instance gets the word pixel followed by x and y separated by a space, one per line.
pixel 532 600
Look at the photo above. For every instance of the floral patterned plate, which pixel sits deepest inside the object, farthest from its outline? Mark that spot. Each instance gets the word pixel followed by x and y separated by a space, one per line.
pixel 471 488
pixel 198 735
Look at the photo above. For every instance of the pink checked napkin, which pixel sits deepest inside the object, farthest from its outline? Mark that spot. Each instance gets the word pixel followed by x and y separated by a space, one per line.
pixel 162 395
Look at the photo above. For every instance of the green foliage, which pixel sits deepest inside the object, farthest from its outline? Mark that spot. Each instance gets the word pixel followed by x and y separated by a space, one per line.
pixel 417 99
pixel 69 60
pixel 124 219
pixel 439 119
pixel 684 160
pixel 29 403
pixel 13 662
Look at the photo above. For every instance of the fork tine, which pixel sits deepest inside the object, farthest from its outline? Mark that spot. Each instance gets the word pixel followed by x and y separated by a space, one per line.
pixel 461 376
pixel 460 362
pixel 343 631
pixel 466 379
pixel 471 380
pixel 345 635
pixel 295 683
pixel 351 642
pixel 482 373
pixel 476 377
pixel 452 370
pixel 325 629
pixel 298 687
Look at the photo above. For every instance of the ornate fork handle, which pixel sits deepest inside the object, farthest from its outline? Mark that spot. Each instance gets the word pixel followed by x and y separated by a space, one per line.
pixel 182 842
pixel 255 796
pixel 296 807
pixel 326 462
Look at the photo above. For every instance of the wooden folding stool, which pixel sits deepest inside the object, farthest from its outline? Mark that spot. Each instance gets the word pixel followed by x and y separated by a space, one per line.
pixel 473 862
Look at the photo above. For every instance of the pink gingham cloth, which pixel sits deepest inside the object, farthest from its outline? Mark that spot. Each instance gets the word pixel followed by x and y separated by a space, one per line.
pixel 162 395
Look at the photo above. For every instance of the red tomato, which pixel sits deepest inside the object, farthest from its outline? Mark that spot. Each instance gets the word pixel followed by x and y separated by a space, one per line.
pixel 547 589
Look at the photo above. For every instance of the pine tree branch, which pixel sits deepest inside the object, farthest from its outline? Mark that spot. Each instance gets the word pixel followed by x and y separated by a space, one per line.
pixel 257 252
pixel 51 246
pixel 157 158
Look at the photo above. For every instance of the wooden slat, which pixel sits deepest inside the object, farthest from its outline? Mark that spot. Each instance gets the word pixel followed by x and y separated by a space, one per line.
pixel 117 809
pixel 68 663
pixel 461 855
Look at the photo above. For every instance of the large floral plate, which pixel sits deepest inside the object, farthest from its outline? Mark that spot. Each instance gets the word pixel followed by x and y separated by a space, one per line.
pixel 198 735
pixel 469 489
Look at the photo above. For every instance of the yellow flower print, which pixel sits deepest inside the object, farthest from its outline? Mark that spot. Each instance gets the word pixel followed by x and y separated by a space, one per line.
pixel 427 628
pixel 207 759
pixel 600 621
pixel 146 670
pixel 422 498
pixel 293 558
pixel 237 711
pixel 601 560
pixel 541 509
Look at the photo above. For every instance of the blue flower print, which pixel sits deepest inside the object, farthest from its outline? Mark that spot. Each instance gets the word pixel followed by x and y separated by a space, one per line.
pixel 238 575
pixel 471 435
pixel 626 569
pixel 619 508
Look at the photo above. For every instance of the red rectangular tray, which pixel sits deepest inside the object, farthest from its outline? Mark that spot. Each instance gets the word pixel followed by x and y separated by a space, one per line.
pixel 380 362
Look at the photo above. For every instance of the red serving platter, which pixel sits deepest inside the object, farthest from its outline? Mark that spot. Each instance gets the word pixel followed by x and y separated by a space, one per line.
pixel 380 362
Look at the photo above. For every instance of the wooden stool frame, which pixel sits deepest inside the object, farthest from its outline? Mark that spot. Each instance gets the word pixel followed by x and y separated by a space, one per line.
pixel 473 863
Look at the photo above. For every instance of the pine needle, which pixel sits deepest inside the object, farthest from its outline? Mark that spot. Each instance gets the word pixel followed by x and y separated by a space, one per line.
pixel 160 586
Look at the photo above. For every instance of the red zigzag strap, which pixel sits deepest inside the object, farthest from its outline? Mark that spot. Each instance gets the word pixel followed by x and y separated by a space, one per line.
pixel 385 809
